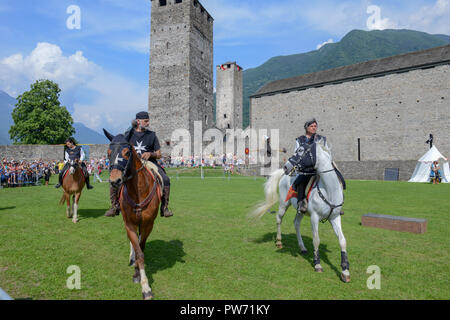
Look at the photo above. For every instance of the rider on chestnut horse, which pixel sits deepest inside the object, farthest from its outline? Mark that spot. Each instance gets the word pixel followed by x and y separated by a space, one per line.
pixel 147 146
pixel 73 152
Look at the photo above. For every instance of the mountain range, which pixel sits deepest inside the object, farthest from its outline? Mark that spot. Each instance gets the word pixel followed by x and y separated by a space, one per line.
pixel 355 47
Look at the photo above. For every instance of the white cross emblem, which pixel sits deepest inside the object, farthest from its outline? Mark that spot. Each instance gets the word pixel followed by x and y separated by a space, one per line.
pixel 118 159
pixel 139 147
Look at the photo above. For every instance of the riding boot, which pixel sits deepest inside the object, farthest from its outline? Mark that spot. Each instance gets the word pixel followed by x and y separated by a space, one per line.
pixel 302 203
pixel 115 206
pixel 304 206
pixel 164 211
pixel 59 179
pixel 86 177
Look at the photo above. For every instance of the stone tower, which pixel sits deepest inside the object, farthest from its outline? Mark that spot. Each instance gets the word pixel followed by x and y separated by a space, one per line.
pixel 229 96
pixel 181 68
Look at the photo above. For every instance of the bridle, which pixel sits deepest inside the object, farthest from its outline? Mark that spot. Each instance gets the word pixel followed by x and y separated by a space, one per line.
pixel 137 207
pixel 116 147
pixel 298 167
pixel 73 164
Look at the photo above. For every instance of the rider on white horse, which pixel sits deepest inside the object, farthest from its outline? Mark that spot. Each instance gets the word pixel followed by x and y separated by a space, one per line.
pixel 303 145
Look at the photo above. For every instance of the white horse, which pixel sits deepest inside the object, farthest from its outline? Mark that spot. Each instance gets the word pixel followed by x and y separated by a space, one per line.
pixel 325 203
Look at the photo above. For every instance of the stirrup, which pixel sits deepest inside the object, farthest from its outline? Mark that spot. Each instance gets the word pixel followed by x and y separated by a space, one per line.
pixel 170 214
pixel 163 211
pixel 303 206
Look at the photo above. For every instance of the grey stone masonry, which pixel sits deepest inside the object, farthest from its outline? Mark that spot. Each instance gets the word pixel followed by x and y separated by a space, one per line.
pixel 181 68
pixel 229 96
pixel 391 116
pixel 46 152
pixel 374 170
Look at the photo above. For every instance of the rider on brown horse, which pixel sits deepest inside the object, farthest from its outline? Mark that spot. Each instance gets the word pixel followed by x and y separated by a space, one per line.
pixel 73 152
pixel 147 146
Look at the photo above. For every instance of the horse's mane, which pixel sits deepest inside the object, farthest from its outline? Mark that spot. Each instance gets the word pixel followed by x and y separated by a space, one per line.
pixel 324 145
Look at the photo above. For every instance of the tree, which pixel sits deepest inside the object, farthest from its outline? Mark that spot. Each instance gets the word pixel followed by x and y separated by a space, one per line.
pixel 39 117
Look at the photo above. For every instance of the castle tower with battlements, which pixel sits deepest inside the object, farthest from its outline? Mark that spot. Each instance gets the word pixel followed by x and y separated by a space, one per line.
pixel 229 96
pixel 181 68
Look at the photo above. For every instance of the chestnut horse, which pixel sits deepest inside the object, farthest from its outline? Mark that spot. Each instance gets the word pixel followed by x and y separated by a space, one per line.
pixel 73 184
pixel 140 196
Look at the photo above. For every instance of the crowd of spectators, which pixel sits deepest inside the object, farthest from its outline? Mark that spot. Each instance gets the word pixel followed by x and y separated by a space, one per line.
pixel 227 161
pixel 15 173
pixel 20 173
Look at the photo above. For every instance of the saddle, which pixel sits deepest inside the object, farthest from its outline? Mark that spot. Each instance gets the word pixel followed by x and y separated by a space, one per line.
pixel 153 170
pixel 293 194
pixel 311 184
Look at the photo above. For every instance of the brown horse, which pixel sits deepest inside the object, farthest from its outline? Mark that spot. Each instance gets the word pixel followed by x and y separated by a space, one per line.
pixel 73 184
pixel 140 196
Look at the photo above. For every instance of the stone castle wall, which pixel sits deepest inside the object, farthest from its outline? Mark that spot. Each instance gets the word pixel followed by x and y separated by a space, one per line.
pixel 46 152
pixel 229 96
pixel 181 68
pixel 392 115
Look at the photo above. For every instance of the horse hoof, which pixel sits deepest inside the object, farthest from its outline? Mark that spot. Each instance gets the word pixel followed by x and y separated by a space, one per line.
pixel 345 278
pixel 279 246
pixel 136 279
pixel 318 269
pixel 304 252
pixel 147 295
pixel 75 221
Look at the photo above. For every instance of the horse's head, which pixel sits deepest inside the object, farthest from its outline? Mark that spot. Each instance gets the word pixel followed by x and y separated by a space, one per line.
pixel 73 166
pixel 304 159
pixel 120 155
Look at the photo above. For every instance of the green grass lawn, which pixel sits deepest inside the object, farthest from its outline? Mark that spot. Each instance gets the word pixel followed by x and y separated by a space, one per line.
pixel 211 250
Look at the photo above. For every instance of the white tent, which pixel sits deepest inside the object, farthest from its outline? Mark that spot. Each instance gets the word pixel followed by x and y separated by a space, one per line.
pixel 423 167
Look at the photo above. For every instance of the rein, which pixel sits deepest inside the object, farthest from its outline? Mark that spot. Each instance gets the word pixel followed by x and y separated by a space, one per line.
pixel 138 207
pixel 332 206
pixel 298 168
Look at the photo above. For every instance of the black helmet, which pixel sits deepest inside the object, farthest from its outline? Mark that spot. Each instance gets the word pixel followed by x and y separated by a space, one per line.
pixel 71 140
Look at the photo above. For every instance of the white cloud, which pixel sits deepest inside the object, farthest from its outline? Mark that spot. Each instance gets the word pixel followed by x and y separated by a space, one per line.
pixel 432 19
pixel 324 43
pixel 46 61
pixel 235 20
pixel 115 98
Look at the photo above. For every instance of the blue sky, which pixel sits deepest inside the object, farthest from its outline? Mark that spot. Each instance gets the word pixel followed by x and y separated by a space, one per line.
pixel 102 67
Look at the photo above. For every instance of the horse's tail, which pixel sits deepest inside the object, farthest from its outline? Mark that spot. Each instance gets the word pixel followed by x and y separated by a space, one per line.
pixel 270 189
